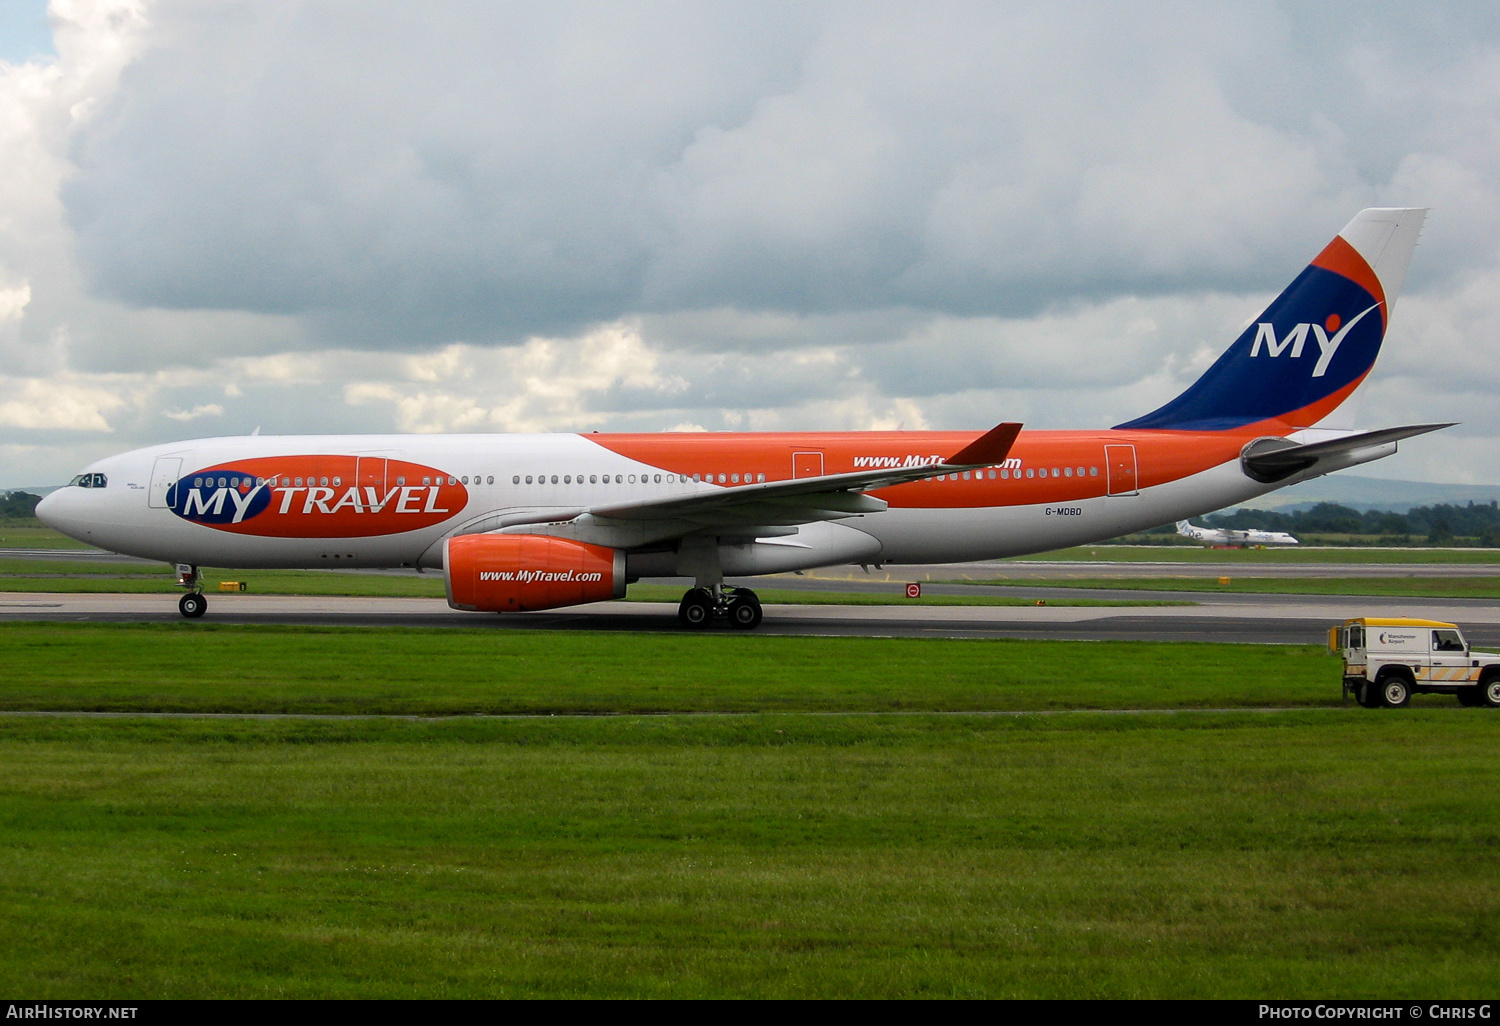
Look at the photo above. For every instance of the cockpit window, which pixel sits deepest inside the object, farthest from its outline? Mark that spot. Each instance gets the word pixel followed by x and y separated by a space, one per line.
pixel 89 481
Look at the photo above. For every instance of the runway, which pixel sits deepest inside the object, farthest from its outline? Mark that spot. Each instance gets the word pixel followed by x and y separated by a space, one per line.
pixel 1248 619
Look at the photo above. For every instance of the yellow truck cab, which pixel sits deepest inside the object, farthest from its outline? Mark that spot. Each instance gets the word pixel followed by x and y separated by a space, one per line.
pixel 1387 660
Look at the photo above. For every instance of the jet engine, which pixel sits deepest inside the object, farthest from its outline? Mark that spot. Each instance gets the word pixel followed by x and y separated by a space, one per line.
pixel 517 573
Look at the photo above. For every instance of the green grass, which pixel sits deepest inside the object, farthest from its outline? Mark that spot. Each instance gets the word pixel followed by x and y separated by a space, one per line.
pixel 1414 587
pixel 25 535
pixel 773 850
pixel 202 667
pixel 1296 554
pixel 1314 854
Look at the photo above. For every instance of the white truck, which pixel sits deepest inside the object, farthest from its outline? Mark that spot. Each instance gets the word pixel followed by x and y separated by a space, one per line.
pixel 1387 660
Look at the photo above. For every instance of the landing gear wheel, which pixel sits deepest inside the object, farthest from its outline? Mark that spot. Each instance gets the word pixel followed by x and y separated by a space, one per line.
pixel 744 611
pixel 696 610
pixel 192 605
pixel 1489 693
pixel 1395 692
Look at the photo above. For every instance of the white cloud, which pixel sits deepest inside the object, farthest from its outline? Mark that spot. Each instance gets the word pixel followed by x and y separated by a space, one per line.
pixel 32 404
pixel 205 410
pixel 490 217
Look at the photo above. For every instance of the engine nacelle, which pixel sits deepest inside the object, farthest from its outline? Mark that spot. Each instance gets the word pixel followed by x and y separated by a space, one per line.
pixel 517 573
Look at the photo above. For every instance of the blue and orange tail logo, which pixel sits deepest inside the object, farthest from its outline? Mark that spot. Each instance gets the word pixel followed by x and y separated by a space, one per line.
pixel 1300 359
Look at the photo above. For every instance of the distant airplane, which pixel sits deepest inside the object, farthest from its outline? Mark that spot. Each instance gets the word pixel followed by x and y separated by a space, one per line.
pixel 1239 539
pixel 528 522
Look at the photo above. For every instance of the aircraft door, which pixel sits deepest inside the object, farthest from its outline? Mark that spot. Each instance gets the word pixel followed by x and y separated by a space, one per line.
pixel 369 472
pixel 807 464
pixel 164 474
pixel 1119 462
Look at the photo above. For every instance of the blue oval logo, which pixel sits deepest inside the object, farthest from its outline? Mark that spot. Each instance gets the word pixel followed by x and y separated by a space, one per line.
pixel 222 496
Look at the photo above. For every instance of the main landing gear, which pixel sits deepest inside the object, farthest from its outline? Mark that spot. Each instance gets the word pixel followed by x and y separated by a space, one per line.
pixel 194 604
pixel 701 606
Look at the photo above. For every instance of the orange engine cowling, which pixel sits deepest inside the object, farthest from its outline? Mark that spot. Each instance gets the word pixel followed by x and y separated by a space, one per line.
pixel 515 573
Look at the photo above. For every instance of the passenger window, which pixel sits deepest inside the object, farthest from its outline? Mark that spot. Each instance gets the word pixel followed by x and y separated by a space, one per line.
pixel 517 480
pixel 759 478
pixel 514 480
pixel 1093 472
pixel 1030 472
pixel 337 481
pixel 1067 471
pixel 528 479
pixel 399 480
pixel 427 480
pixel 593 479
pixel 734 479
pixel 286 482
pixel 992 475
pixel 722 478
pixel 658 479
pixel 567 479
pixel 197 481
pixel 464 479
pixel 1005 475
pixel 554 479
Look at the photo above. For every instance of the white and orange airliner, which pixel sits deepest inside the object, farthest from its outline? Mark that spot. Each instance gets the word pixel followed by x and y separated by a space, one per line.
pixel 528 522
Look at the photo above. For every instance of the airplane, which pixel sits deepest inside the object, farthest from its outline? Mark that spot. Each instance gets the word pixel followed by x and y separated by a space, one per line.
pixel 1240 539
pixel 521 522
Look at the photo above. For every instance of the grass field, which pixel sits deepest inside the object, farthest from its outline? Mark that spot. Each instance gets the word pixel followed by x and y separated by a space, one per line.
pixel 27 536
pixel 1298 554
pixel 1416 587
pixel 202 667
pixel 1319 852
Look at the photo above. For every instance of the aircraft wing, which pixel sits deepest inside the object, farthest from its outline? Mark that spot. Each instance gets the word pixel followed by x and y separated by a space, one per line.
pixel 803 500
pixel 1274 459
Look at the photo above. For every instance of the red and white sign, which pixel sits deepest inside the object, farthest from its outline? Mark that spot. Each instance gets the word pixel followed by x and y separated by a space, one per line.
pixel 913 591
pixel 317 496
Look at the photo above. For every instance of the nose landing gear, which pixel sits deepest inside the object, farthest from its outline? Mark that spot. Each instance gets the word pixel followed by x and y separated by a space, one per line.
pixel 194 604
pixel 701 606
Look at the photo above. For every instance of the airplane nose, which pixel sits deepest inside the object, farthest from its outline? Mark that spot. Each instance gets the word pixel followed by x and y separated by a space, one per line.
pixel 47 510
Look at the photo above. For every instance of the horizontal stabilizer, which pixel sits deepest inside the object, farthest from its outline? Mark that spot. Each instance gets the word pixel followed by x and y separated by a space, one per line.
pixel 1275 459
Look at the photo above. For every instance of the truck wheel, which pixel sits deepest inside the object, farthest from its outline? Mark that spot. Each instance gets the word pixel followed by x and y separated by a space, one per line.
pixel 1368 695
pixel 1395 692
pixel 1489 693
pixel 1470 697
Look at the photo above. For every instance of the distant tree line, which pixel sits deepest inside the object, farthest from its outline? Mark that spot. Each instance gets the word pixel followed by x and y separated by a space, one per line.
pixel 18 505
pixel 1439 524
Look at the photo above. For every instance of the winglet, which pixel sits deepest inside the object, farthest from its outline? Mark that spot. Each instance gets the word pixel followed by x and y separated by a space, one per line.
pixel 988 449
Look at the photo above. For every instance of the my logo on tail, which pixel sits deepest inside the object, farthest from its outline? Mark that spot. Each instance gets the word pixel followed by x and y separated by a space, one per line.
pixel 1296 338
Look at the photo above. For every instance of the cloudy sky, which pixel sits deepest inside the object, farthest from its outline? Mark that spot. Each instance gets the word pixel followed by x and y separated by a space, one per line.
pixel 320 216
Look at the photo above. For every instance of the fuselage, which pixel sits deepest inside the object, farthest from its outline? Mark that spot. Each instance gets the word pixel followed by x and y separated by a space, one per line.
pixel 389 500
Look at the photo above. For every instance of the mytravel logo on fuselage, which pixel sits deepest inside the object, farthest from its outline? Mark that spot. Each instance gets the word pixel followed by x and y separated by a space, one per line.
pixel 317 496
